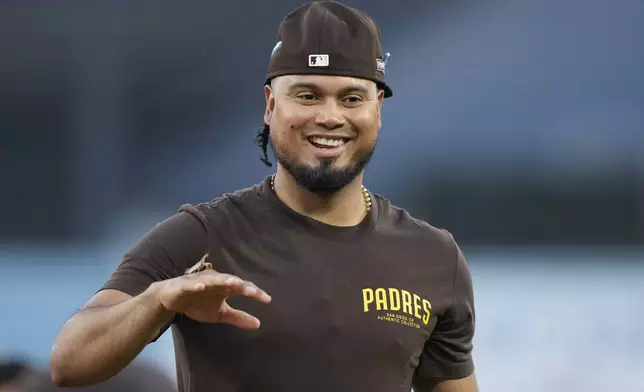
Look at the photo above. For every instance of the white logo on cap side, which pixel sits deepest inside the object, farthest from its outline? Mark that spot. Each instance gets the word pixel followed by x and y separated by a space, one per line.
pixel 380 65
pixel 318 60
pixel 382 62
pixel 276 48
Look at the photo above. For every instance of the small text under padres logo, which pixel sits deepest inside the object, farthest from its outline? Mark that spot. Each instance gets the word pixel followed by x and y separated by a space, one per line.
pixel 397 306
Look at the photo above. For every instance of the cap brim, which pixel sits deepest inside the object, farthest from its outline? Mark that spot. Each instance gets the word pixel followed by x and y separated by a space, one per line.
pixel 383 86
pixel 386 89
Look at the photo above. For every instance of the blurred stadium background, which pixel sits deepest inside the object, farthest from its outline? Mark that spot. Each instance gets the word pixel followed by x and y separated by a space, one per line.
pixel 517 125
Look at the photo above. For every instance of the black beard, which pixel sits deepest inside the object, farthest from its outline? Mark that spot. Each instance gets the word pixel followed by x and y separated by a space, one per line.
pixel 324 179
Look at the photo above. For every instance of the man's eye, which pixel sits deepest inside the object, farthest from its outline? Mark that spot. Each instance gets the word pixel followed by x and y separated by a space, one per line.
pixel 306 97
pixel 353 99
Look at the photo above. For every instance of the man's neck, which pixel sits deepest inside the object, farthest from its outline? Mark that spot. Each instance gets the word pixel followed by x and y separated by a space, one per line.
pixel 343 208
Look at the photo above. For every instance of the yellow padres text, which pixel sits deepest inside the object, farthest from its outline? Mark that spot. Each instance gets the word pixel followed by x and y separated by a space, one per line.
pixel 397 300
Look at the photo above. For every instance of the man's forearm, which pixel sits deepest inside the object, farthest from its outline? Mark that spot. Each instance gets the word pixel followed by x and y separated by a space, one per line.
pixel 97 343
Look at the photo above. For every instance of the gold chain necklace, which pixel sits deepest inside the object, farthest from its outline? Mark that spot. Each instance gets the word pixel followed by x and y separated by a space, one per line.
pixel 365 193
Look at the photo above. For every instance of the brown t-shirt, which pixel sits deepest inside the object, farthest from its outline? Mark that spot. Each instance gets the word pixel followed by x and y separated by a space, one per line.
pixel 380 306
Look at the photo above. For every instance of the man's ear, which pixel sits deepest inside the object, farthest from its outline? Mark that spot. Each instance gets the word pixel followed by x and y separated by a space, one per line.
pixel 270 104
pixel 381 100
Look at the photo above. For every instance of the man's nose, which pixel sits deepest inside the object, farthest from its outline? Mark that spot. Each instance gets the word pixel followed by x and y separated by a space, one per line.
pixel 330 115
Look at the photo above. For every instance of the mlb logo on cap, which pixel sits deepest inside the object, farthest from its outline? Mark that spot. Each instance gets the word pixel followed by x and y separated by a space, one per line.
pixel 318 60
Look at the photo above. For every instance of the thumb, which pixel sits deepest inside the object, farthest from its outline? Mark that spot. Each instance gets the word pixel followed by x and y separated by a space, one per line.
pixel 238 318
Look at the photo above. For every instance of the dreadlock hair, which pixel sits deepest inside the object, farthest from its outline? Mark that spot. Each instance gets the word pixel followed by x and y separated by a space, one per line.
pixel 261 140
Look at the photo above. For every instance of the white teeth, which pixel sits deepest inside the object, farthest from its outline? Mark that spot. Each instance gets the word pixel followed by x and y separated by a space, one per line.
pixel 327 142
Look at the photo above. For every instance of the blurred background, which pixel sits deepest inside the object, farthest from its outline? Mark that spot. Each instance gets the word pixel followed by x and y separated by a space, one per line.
pixel 517 125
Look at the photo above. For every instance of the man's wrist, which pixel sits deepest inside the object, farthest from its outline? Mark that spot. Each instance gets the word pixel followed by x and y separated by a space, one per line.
pixel 152 300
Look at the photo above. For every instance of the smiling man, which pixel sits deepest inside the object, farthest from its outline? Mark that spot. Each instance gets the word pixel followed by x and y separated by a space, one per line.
pixel 363 297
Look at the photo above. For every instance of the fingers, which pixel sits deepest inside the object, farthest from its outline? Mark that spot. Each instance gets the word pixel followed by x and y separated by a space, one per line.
pixel 238 318
pixel 249 289
pixel 225 285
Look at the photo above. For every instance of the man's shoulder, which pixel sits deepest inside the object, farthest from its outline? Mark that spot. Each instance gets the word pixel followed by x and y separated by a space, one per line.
pixel 397 220
pixel 228 203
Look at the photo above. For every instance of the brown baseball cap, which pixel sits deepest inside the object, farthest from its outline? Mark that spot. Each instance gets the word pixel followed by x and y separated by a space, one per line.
pixel 329 38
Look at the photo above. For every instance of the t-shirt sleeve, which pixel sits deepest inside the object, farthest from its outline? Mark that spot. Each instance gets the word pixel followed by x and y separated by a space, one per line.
pixel 162 253
pixel 448 352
